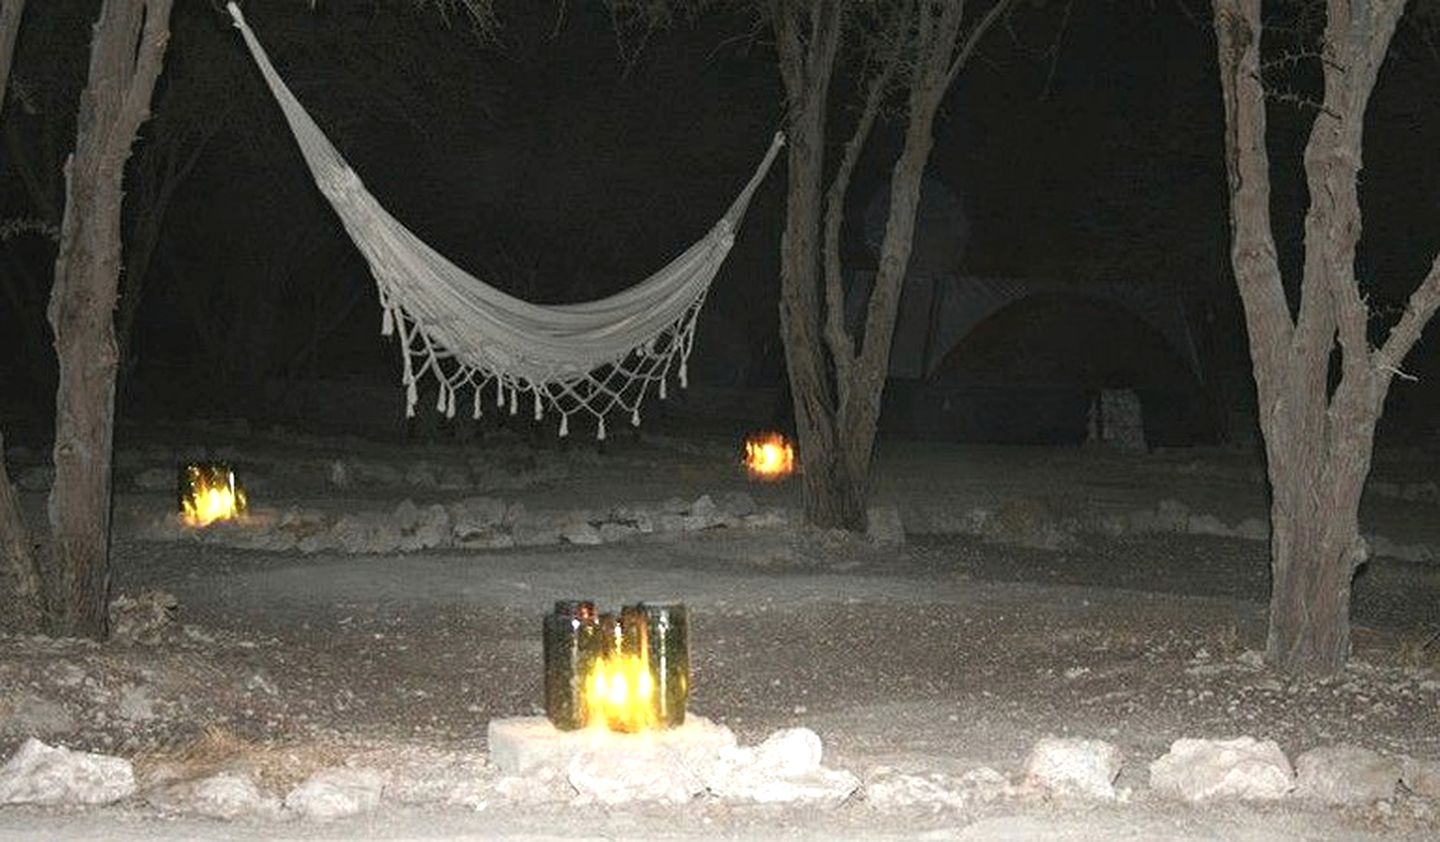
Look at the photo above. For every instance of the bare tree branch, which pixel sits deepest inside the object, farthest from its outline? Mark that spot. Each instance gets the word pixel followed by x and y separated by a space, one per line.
pixel 837 337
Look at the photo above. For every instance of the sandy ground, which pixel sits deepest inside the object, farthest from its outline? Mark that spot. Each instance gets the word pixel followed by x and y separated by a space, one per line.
pixel 957 650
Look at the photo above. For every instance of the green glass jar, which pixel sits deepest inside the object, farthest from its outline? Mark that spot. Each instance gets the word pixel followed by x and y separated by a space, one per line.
pixel 572 643
pixel 668 655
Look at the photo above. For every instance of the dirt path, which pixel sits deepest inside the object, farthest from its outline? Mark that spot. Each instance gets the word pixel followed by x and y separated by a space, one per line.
pixel 945 655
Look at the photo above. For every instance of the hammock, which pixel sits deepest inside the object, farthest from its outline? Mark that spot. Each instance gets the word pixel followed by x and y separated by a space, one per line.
pixel 479 343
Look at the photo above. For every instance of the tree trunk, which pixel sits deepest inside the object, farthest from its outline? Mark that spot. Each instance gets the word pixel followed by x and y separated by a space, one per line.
pixel 837 391
pixel 10 13
pixel 17 552
pixel 125 59
pixel 1315 548
pixel 1318 440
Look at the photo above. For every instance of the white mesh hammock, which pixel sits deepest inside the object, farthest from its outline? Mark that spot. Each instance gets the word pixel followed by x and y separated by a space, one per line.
pixel 480 344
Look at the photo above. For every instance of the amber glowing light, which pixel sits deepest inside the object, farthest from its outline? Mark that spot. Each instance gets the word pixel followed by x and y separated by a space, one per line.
pixel 619 694
pixel 769 457
pixel 208 494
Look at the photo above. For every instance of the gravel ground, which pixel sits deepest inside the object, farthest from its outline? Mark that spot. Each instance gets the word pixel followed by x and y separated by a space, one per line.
pixel 949 653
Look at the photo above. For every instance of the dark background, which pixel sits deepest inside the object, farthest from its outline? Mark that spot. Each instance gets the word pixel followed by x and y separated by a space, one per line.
pixel 560 163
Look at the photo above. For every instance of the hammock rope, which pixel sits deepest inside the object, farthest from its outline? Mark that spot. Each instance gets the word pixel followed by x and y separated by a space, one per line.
pixel 596 357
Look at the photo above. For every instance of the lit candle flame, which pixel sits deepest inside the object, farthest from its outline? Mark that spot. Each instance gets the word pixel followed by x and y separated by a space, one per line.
pixel 211 495
pixel 769 456
pixel 619 694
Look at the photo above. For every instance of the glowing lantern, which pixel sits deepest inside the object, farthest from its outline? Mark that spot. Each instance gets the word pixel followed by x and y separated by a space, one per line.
pixel 208 492
pixel 769 457
pixel 625 673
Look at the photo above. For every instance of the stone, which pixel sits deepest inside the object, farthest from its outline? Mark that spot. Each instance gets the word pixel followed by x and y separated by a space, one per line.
pixel 226 795
pixel 613 778
pixel 533 529
pixel 1421 777
pixel 1116 420
pixel 610 532
pixel 40 774
pixel 1206 770
pixel 884 526
pixel 336 793
pixel 1345 774
pixel 582 533
pixel 143 618
pixel 340 474
pixel 406 515
pixel 526 745
pixel 785 768
pixel 888 788
pixel 1070 767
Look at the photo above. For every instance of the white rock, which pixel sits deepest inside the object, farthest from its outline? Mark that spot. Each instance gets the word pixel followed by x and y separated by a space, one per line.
pixel 789 752
pixel 582 533
pixel 406 515
pixel 889 788
pixel 610 778
pixel 230 795
pixel 335 793
pixel 704 507
pixel 1084 768
pixel 784 768
pixel 1421 777
pixel 41 774
pixel 1203 770
pixel 611 532
pixel 226 795
pixel 1345 774
pixel 477 515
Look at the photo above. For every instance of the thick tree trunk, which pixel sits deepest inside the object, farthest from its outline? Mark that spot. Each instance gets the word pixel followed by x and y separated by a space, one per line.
pixel 1318 440
pixel 125 59
pixel 1315 548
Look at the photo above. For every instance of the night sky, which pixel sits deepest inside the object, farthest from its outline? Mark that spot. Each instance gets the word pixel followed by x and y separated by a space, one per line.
pixel 560 169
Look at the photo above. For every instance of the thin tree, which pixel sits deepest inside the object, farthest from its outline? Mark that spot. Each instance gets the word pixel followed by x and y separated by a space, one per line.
pixel 910 51
pixel 837 376
pixel 1321 384
pixel 126 54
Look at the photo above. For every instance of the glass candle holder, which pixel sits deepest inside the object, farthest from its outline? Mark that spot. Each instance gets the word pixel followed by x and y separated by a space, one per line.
pixel 572 643
pixel 668 653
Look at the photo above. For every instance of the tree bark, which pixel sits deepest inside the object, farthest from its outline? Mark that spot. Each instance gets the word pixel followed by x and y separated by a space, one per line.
pixel 10 13
pixel 836 388
pixel 17 552
pixel 125 58
pixel 1318 441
